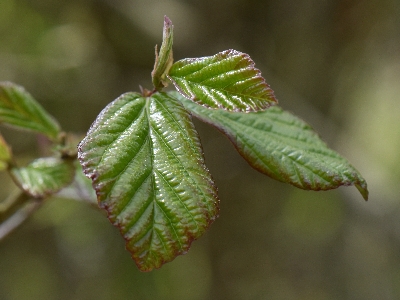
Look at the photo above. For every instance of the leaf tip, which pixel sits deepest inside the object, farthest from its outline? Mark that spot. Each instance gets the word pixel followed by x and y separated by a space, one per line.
pixel 362 188
pixel 167 22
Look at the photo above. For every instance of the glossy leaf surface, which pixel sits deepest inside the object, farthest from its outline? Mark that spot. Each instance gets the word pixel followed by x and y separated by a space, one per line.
pixel 226 80
pixel 144 157
pixel 44 176
pixel 19 109
pixel 5 154
pixel 282 146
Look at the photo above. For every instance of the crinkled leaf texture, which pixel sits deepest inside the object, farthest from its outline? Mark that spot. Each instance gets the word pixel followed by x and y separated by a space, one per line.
pixel 226 80
pixel 145 159
pixel 44 176
pixel 19 109
pixel 282 146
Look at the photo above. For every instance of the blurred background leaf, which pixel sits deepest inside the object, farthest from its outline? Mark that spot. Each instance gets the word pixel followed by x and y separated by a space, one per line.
pixel 20 110
pixel 334 63
pixel 44 176
pixel 5 154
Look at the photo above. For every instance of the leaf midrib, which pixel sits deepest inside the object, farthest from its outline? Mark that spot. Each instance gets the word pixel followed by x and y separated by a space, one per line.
pixel 277 136
pixel 194 148
pixel 282 138
pixel 147 106
pixel 183 168
pixel 213 89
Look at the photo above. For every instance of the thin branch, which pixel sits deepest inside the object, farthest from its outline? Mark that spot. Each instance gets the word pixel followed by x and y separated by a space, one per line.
pixel 18 217
pixel 15 200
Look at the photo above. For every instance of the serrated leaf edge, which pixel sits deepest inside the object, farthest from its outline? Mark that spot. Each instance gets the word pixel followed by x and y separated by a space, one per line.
pixel 225 55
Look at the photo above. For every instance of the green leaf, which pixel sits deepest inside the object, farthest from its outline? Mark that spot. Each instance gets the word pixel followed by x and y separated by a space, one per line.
pixel 163 61
pixel 5 154
pixel 144 157
pixel 282 146
pixel 44 176
pixel 226 80
pixel 19 109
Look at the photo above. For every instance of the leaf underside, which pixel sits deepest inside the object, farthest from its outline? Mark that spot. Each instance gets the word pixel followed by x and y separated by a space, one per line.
pixel 283 147
pixel 227 80
pixel 44 176
pixel 144 157
pixel 19 109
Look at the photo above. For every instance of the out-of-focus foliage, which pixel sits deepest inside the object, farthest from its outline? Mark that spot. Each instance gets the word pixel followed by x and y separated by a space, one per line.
pixel 19 109
pixel 5 154
pixel 335 63
pixel 44 176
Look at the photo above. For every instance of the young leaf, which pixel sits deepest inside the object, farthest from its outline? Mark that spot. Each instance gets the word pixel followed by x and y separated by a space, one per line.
pixel 5 154
pixel 165 59
pixel 282 146
pixel 19 109
pixel 44 176
pixel 226 80
pixel 144 157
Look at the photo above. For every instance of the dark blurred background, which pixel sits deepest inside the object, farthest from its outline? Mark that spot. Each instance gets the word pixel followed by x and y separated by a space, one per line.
pixel 336 64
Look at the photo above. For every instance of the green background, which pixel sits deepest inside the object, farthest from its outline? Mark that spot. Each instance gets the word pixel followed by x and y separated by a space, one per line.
pixel 336 64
